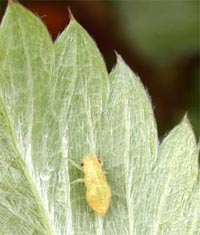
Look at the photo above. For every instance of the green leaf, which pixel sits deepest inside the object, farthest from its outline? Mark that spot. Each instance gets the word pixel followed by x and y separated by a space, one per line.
pixel 81 93
pixel 129 143
pixel 81 88
pixel 58 103
pixel 174 180
pixel 26 62
pixel 21 207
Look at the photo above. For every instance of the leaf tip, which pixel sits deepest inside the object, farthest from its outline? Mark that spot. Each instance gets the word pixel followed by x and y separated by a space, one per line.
pixel 186 122
pixel 185 118
pixel 10 2
pixel 71 17
pixel 119 58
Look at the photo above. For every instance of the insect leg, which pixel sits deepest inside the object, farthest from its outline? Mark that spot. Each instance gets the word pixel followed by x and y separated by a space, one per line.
pixel 74 164
pixel 81 180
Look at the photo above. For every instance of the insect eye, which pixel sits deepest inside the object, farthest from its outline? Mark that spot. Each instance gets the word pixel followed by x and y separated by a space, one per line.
pixel 99 161
pixel 82 164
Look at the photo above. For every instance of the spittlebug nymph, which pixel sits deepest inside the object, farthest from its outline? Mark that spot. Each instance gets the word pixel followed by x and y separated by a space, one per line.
pixel 98 194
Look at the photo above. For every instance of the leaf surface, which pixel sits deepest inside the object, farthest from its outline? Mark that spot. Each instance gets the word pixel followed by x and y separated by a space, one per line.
pixel 129 142
pixel 174 182
pixel 26 64
pixel 57 103
pixel 81 92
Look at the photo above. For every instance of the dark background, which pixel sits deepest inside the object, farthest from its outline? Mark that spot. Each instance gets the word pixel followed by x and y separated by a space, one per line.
pixel 159 40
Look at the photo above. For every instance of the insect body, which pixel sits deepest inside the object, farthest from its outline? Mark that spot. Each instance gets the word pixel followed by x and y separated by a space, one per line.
pixel 98 194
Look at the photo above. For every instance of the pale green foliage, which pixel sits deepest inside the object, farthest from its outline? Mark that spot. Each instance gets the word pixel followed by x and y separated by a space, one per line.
pixel 55 103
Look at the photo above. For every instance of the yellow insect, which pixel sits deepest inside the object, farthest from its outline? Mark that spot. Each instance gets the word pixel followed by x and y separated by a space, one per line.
pixel 98 194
